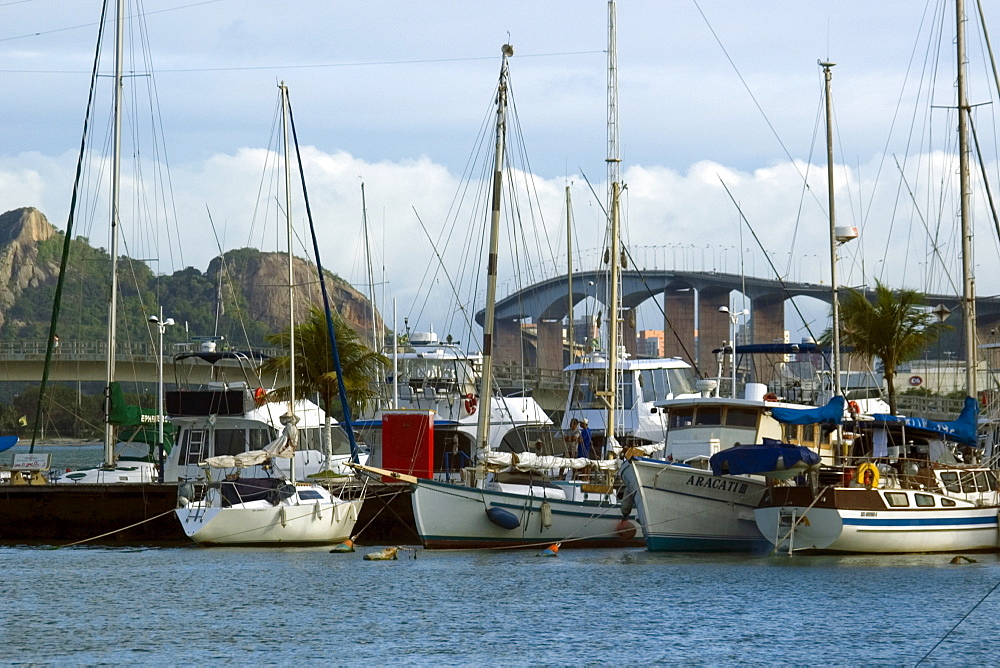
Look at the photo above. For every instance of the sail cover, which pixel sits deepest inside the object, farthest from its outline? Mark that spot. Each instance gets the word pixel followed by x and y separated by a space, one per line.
pixel 832 413
pixel 771 458
pixel 962 430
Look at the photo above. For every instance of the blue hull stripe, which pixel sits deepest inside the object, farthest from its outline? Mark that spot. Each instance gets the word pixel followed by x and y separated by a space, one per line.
pixel 921 522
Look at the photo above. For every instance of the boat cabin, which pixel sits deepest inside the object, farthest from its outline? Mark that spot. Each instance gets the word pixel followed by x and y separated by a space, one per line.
pixel 698 428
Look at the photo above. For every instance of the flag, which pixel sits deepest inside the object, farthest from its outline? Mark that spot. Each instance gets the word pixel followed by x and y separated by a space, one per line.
pixel 23 421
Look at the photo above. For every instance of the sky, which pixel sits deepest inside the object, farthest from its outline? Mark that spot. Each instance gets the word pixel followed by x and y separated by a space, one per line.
pixel 714 96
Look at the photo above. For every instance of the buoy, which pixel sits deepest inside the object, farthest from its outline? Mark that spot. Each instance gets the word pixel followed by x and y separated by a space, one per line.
pixel 388 554
pixel 625 530
pixel 546 512
pixel 550 551
pixel 963 560
pixel 346 546
pixel 503 518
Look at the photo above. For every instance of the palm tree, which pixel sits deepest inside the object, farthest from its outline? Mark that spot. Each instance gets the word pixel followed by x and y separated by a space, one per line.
pixel 314 370
pixel 894 327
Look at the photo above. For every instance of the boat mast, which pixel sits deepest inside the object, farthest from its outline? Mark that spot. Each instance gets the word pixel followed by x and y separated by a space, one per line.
pixel 614 185
pixel 291 257
pixel 486 379
pixel 834 286
pixel 968 279
pixel 371 275
pixel 569 274
pixel 116 169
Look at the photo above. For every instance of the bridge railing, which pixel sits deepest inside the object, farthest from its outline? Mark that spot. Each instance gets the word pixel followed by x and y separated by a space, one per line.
pixel 96 351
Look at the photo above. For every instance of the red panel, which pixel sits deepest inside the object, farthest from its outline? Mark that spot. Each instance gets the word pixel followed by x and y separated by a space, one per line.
pixel 408 442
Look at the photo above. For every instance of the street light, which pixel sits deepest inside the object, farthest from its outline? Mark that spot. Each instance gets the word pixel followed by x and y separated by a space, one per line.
pixel 161 326
pixel 733 317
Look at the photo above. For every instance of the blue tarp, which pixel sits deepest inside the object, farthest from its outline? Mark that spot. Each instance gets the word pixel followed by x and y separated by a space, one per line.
pixel 832 413
pixel 771 456
pixel 962 430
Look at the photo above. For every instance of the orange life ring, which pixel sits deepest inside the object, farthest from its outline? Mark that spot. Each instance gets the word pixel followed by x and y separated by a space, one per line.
pixel 770 396
pixel 470 403
pixel 853 405
pixel 260 396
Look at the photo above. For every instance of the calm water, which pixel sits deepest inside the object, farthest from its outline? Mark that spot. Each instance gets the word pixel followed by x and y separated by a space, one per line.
pixel 627 607
pixel 98 605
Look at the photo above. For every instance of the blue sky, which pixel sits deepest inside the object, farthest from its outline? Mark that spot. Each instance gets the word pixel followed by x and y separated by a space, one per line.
pixel 395 93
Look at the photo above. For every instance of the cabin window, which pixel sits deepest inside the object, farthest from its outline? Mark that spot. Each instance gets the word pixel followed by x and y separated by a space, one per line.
pixel 310 495
pixel 310 439
pixel 790 433
pixel 741 417
pixel 950 481
pixel 948 502
pixel 983 483
pixel 924 500
pixel 708 416
pixel 897 499
pixel 230 442
pixel 808 433
pixel 991 480
pixel 627 391
pixel 968 479
pixel 259 438
pixel 681 417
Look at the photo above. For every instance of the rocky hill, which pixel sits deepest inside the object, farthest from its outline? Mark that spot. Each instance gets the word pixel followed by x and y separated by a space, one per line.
pixel 242 296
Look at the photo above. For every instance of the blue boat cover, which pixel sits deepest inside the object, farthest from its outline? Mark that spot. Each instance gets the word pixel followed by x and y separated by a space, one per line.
pixel 832 413
pixel 962 430
pixel 756 458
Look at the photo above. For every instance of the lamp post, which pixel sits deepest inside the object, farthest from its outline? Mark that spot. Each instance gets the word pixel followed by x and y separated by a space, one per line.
pixel 161 326
pixel 733 317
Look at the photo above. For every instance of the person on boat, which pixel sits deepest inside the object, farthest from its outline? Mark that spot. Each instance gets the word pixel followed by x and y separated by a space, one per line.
pixel 586 441
pixel 572 438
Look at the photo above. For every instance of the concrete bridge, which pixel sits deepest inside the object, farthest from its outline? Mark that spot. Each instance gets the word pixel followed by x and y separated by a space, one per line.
pixel 693 326
pixel 87 361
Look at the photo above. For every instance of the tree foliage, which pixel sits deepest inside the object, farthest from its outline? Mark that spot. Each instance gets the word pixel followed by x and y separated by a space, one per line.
pixel 314 369
pixel 894 327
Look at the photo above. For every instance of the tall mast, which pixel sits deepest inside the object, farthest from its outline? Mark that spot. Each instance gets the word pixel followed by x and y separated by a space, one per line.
pixel 614 186
pixel 968 279
pixel 834 286
pixel 109 434
pixel 569 274
pixel 291 257
pixel 376 344
pixel 486 381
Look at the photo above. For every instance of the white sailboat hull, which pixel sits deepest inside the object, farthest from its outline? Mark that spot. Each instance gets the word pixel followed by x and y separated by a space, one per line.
pixel 455 516
pixel 681 508
pixel 260 523
pixel 882 531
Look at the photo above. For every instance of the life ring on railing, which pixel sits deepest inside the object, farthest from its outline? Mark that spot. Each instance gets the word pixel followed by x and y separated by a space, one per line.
pixel 770 396
pixel 470 403
pixel 853 405
pixel 260 396
pixel 867 475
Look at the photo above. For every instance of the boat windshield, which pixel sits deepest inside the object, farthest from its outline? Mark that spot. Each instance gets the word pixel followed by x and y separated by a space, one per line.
pixel 662 384
pixel 448 375
pixel 588 386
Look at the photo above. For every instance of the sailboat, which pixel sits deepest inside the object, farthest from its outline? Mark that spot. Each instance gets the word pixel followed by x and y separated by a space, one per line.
pixel 274 509
pixel 907 488
pixel 508 499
